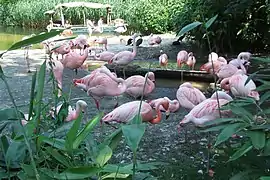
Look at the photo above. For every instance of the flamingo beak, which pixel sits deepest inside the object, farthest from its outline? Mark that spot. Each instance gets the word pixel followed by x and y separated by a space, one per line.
pixel 167 113
pixel 110 61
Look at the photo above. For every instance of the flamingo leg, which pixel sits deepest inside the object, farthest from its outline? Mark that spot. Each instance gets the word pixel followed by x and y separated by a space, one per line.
pixel 124 72
pixel 116 105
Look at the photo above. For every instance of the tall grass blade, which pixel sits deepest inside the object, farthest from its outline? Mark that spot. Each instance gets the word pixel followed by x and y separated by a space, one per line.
pixel 32 95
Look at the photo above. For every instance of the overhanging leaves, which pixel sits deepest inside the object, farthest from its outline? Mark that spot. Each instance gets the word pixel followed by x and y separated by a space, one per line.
pixel 189 27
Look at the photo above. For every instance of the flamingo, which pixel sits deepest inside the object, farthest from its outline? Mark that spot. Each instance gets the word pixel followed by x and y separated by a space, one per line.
pixel 79 42
pixel 124 57
pixel 60 48
pixel 191 61
pixel 244 56
pixel 189 96
pixel 212 57
pixel 241 60
pixel 72 113
pixel 182 57
pixel 57 69
pixel 163 60
pixel 236 84
pixel 103 41
pixel 135 85
pixel 73 60
pixel 104 56
pixel 207 110
pixel 138 41
pixel 104 84
pixel 154 40
pixel 121 28
pixel 26 52
pixel 126 112
pixel 173 104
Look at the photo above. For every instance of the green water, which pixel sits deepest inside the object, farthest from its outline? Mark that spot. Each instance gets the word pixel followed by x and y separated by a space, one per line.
pixel 11 35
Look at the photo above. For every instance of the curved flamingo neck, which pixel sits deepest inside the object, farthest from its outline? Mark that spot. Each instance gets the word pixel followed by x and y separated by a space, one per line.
pixel 134 51
pixel 224 84
pixel 158 112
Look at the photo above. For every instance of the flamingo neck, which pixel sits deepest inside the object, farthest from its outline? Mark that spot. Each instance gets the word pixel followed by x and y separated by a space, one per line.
pixel 158 118
pixel 134 52
pixel 225 84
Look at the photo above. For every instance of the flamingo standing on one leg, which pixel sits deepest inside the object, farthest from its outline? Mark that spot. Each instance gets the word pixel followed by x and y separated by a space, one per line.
pixel 72 113
pixel 126 112
pixel 188 96
pixel 236 84
pixel 73 60
pixel 124 57
pixel 163 60
pixel 135 85
pixel 207 110
pixel 191 61
pixel 173 104
pixel 182 58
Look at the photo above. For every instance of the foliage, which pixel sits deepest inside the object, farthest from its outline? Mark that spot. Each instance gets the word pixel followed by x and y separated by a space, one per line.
pixel 49 148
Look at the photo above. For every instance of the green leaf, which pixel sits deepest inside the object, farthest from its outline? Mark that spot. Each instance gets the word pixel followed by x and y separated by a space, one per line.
pixel 189 27
pixel 243 113
pixel 32 40
pixel 133 134
pixel 250 77
pixel 266 149
pixel 104 156
pixel 264 97
pixel 32 95
pixel 243 150
pixel 4 144
pixel 28 169
pixel 112 168
pixel 16 153
pixel 86 130
pixel 59 157
pixel 62 131
pixel 146 166
pixel 79 172
pixel 54 142
pixel 228 131
pixel 267 60
pixel 10 114
pixel 257 138
pixel 265 178
pixel 242 175
pixel 115 175
pixel 210 21
pixel 72 133
pixel 113 140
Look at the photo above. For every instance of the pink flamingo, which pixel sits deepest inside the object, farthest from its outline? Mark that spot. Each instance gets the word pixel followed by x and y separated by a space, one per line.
pixel 105 84
pixel 63 49
pixel 191 61
pixel 103 41
pixel 79 42
pixel 73 60
pixel 212 57
pixel 57 69
pixel 126 112
pixel 153 40
pixel 163 60
pixel 173 104
pixel 104 56
pixel 72 113
pixel 125 57
pixel 207 110
pixel 135 85
pixel 182 58
pixel 236 84
pixel 189 96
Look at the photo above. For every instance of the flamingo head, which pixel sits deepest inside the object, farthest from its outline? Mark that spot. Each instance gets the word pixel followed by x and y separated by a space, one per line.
pixel 166 104
pixel 255 95
pixel 182 123
pixel 151 76
pixel 82 105
pixel 110 61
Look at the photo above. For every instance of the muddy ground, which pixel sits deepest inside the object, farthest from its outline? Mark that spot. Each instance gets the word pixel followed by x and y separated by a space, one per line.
pixel 161 142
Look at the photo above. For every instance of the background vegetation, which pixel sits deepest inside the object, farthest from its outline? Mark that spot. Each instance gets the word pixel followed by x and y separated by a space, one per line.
pixel 241 25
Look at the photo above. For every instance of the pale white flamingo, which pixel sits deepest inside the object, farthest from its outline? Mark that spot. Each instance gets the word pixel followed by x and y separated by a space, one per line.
pixel 126 112
pixel 72 113
pixel 173 104
pixel 181 58
pixel 191 61
pixel 124 57
pixel 207 110
pixel 236 84
pixel 163 60
pixel 154 40
pixel 135 85
pixel 189 96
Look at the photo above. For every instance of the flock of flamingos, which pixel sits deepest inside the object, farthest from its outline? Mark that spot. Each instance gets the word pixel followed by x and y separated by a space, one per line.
pixel 102 82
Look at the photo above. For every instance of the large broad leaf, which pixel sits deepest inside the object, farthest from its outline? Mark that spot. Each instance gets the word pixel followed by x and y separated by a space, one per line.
pixel 72 134
pixel 58 156
pixel 16 154
pixel 250 77
pixel 104 156
pixel 86 130
pixel 54 142
pixel 112 168
pixel 80 172
pixel 10 114
pixel 214 128
pixel 265 178
pixel 113 140
pixel 32 95
pixel 32 40
pixel 267 60
pixel 115 176
pixel 210 21
pixel 189 27
pixel 257 138
pixel 146 166
pixel 244 175
pixel 133 134
pixel 243 150
pixel 218 121
pixel 61 132
pixel 228 131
